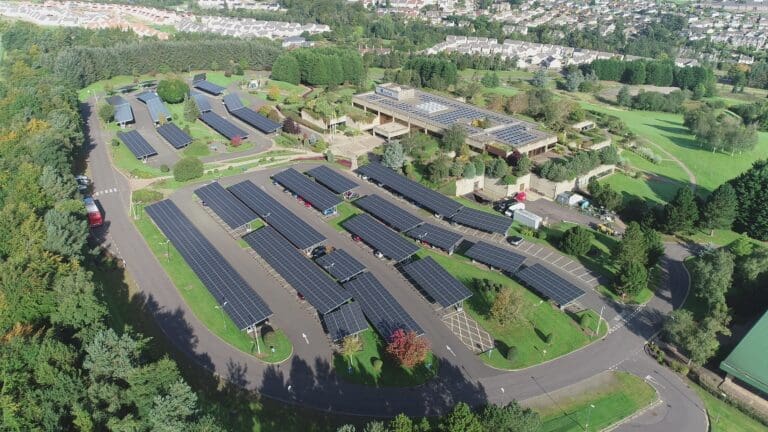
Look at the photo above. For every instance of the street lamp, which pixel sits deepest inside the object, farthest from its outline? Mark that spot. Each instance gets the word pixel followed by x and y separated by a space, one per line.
pixel 167 250
pixel 589 412
pixel 221 308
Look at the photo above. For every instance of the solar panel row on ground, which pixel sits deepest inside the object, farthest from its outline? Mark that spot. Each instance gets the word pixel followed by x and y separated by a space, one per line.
pixel 137 144
pixel 423 196
pixel 222 126
pixel 496 257
pixel 230 290
pixel 331 179
pixel 320 197
pixel 344 321
pixel 437 282
pixel 483 221
pixel 388 213
pixel 302 274
pixel 175 136
pixel 230 209
pixel 280 218
pixel 433 235
pixel 157 110
pixel 208 87
pixel 232 102
pixel 380 237
pixel 551 285
pixel 203 104
pixel 378 305
pixel 341 265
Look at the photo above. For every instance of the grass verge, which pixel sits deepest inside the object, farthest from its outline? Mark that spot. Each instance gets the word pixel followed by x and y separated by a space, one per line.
pixel 724 417
pixel 344 211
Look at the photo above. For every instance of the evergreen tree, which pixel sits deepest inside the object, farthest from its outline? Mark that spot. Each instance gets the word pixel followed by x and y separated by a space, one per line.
pixel 540 79
pixel 576 241
pixel 401 423
pixel 461 419
pixel 624 98
pixel 719 211
pixel 191 111
pixel 631 279
pixel 632 247
pixel 393 156
pixel 752 191
pixel 509 418
pixel 681 214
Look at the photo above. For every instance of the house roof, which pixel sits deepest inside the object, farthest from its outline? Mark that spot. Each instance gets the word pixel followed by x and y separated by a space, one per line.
pixel 747 361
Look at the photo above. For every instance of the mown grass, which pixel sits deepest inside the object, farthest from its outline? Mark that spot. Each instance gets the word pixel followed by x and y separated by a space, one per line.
pixel 127 162
pixel 724 417
pixel 344 211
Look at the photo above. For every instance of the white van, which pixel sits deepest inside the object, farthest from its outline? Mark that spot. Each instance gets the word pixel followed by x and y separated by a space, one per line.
pixel 514 207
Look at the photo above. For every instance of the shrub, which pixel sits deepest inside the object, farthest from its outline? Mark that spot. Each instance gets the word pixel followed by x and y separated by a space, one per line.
pixel 548 338
pixel 115 142
pixel 270 337
pixel 188 168
pixel 512 354
pixel 106 113
pixel 377 365
pixel 576 241
pixel 172 90
pixel 146 196
pixel 164 168
pixel 585 320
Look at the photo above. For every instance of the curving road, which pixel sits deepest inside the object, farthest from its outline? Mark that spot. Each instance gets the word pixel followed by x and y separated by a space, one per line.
pixel 308 378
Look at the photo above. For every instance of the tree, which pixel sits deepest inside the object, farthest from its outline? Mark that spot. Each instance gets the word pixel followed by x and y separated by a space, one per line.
pixel 469 171
pixel 401 423
pixel 509 418
pixel 712 275
pixel 576 241
pixel 624 98
pixel 632 247
pixel 172 90
pixel 631 278
pixel 507 306
pixel 351 345
pixel 439 170
pixel 375 426
pixel 681 213
pixel 490 80
pixel 522 165
pixel 291 127
pixel 65 233
pixel 719 211
pixel 752 191
pixel 540 79
pixel 106 112
pixel 188 168
pixel 393 156
pixel 498 168
pixel 407 348
pixel 479 166
pixel 461 419
pixel 273 93
pixel 654 246
pixel 604 195
pixel 573 80
pixel 453 138
pixel 191 110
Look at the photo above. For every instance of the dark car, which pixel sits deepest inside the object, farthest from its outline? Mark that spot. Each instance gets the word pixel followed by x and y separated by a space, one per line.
pixel 515 240
pixel 318 252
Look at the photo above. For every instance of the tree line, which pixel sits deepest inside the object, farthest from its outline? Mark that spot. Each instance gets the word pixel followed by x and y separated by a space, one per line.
pixel 396 59
pixel 580 163
pixel 663 73
pixel 720 131
pixel 320 67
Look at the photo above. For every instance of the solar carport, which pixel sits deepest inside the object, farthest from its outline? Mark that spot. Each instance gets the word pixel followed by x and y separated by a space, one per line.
pixel 203 104
pixel 381 309
pixel 341 265
pixel 496 257
pixel 433 201
pixel 347 320
pixel 311 192
pixel 222 126
pixel 390 214
pixel 437 282
pixel 379 237
pixel 208 87
pixel 550 285
pixel 137 144
pixel 229 209
pixel 482 221
pixel 123 111
pixel 302 274
pixel 278 217
pixel 249 116
pixel 433 235
pixel 232 293
pixel 331 179
pixel 175 136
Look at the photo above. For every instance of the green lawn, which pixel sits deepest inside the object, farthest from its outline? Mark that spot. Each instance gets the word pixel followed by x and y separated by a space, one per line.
pixel 127 162
pixel 724 417
pixel 391 374
pixel 201 301
pixel 624 396
pixel 538 319
pixel 345 211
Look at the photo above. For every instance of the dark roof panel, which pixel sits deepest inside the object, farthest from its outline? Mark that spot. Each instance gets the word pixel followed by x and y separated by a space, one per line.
pixel 341 265
pixel 230 209
pixel 496 257
pixel 208 87
pixel 380 237
pixel 136 144
pixel 320 197
pixel 344 321
pixel 437 282
pixel 175 136
pixel 388 213
pixel 550 284
pixel 483 221
pixel 256 120
pixel 222 126
pixel 436 236
pixel 331 179
pixel 381 309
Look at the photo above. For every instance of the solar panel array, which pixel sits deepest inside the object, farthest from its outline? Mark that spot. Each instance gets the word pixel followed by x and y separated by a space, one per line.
pixel 256 120
pixel 320 197
pixel 203 104
pixel 514 135
pixel 146 95
pixel 550 284
pixel 232 102
pixel 435 236
pixel 280 218
pixel 230 290
pixel 344 321
pixel 388 213
pixel 437 282
pixel 484 221
pixel 175 136
pixel 378 305
pixel 222 125
pixel 341 265
pixel 380 237
pixel 137 144
pixel 158 110
pixel 425 197
pixel 230 209
pixel 331 179
pixel 496 257
pixel 302 274
pixel 208 87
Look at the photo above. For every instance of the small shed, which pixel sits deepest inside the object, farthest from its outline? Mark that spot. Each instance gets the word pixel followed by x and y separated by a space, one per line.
pixel 569 198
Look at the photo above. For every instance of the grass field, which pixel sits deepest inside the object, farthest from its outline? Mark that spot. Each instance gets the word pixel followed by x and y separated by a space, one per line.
pixel 724 417
pixel 127 162
pixel 345 211
pixel 201 301
pixel 622 397
pixel 391 374
pixel 538 319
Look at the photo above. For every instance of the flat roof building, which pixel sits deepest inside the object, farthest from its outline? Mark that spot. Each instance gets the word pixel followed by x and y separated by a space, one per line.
pixel 487 130
pixel 747 361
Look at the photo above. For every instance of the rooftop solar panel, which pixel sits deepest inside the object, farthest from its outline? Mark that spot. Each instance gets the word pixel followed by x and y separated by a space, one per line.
pixel 208 87
pixel 345 321
pixel 175 136
pixel 116 100
pixel 483 221
pixel 388 213
pixel 137 144
pixel 256 120
pixel 331 179
pixel 280 218
pixel 320 197
pixel 222 126
pixel 157 110
pixel 230 209
pixel 423 196
pixel 380 237
pixel 203 104
pixel 302 274
pixel 124 114
pixel 496 257
pixel 437 282
pixel 232 102
pixel 146 96
pixel 436 236
pixel 378 305
pixel 341 265
pixel 234 295
pixel 550 284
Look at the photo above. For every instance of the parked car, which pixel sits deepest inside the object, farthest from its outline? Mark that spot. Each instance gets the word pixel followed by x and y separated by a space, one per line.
pixel 356 238
pixel 319 251
pixel 378 255
pixel 83 183
pixel 515 240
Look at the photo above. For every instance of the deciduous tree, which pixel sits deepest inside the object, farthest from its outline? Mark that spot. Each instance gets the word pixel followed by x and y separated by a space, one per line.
pixel 507 306
pixel 407 348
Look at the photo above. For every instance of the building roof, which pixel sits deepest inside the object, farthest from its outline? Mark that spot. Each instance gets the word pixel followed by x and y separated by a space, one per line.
pixel 157 110
pixel 748 361
pixel 203 104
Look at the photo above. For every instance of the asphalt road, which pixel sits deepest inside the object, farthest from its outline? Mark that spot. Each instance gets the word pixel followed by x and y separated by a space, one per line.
pixel 308 378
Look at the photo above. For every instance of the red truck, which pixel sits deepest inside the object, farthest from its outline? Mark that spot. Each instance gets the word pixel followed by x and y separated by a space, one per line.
pixel 94 214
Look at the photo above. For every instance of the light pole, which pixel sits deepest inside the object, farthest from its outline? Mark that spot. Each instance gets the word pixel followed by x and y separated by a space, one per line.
pixel 589 412
pixel 221 308
pixel 167 249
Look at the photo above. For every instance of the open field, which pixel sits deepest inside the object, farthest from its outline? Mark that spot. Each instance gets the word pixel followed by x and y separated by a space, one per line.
pixel 724 417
